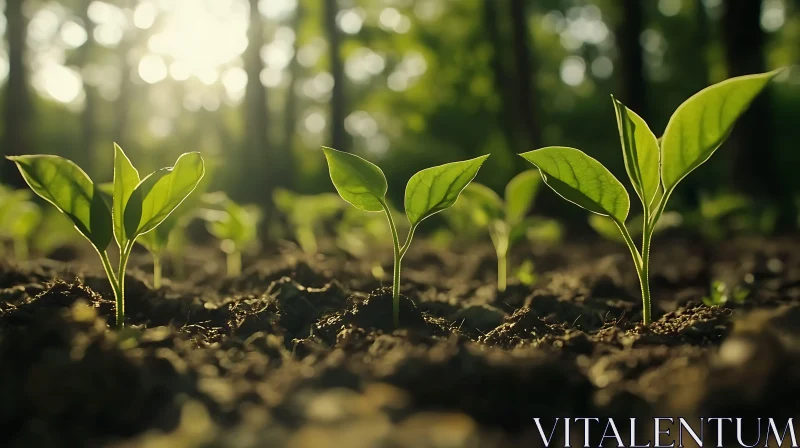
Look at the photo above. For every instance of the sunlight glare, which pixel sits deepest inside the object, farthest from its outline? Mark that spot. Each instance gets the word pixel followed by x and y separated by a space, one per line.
pixel 145 15
pixel 60 83
pixel 73 34
pixel 152 69
pixel 202 37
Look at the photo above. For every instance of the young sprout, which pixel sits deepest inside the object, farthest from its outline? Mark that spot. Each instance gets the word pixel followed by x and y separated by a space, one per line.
pixel 138 205
pixel 504 219
pixel 306 214
pixel 359 234
pixel 19 218
pixel 55 231
pixel 236 227
pixel 162 238
pixel 428 192
pixel 722 294
pixel 696 129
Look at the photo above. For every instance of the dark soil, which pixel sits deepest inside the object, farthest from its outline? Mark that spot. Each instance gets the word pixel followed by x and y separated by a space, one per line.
pixel 302 352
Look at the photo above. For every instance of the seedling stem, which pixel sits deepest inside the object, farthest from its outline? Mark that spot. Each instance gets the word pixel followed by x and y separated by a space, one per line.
pixel 399 252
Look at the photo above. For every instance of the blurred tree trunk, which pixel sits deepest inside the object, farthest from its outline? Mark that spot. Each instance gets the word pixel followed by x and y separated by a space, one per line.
pixel 18 107
pixel 751 142
pixel 502 81
pixel 255 161
pixel 634 88
pixel 122 104
pixel 526 75
pixel 338 135
pixel 290 106
pixel 88 133
pixel 702 43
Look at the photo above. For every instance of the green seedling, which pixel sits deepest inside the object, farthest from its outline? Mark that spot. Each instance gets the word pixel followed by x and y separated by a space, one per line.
pixel 19 219
pixel 428 192
pixel 170 237
pixel 504 219
pixel 307 214
pixel 694 132
pixel 138 205
pixel 359 234
pixel 236 227
pixel 55 231
pixel 721 294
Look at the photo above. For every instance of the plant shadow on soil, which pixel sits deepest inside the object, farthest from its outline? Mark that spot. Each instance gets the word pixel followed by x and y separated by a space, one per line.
pixel 301 352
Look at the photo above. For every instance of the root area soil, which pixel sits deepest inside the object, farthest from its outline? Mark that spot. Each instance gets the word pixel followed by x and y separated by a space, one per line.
pixel 300 351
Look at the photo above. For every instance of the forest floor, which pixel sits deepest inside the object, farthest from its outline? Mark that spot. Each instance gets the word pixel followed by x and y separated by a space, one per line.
pixel 301 352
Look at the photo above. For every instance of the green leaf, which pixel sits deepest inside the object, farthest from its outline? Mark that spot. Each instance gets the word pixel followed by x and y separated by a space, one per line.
pixel 703 122
pixel 63 184
pixel 126 179
pixel 27 218
pixel 640 151
pixel 358 181
pixel 520 193
pixel 479 206
pixel 435 189
pixel 581 180
pixel 160 193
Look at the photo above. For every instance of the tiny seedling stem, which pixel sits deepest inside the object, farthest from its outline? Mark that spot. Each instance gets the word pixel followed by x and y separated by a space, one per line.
pixel 157 271
pixel 117 280
pixel 234 262
pixel 21 249
pixel 399 252
pixel 502 270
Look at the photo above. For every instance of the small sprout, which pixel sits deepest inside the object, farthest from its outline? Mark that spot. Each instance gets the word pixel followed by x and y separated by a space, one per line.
pixel 526 273
pixel 236 227
pixel 504 219
pixel 428 192
pixel 360 234
pixel 55 231
pixel 170 236
pixel 306 214
pixel 694 132
pixel 721 294
pixel 138 205
pixel 19 219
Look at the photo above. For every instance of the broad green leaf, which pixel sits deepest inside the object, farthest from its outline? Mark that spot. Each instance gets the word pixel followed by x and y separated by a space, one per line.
pixel 640 152
pixel 160 193
pixel 581 180
pixel 700 125
pixel 63 184
pixel 126 179
pixel 435 189
pixel 358 181
pixel 520 193
pixel 168 232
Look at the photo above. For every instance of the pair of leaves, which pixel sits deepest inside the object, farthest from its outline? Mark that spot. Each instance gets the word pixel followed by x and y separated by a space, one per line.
pixel 138 206
pixel 428 192
pixel 694 132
